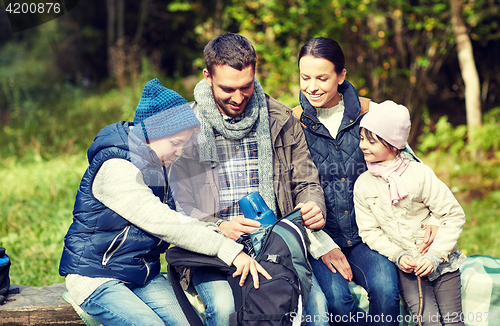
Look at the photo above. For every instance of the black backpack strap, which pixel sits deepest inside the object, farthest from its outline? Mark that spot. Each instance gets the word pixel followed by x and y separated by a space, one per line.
pixel 302 268
pixel 178 257
pixel 235 318
pixel 187 308
pixel 294 216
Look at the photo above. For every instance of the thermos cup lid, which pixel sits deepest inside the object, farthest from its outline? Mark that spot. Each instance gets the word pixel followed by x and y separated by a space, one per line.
pixel 254 207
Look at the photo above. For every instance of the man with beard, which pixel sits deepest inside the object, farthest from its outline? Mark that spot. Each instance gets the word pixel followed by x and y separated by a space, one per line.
pixel 248 142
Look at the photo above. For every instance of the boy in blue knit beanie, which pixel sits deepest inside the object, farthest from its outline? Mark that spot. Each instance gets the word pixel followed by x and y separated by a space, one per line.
pixel 125 217
pixel 164 120
pixel 162 112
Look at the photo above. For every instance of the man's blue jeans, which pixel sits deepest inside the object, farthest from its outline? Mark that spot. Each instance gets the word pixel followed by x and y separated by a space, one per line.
pixel 213 288
pixel 117 303
pixel 376 274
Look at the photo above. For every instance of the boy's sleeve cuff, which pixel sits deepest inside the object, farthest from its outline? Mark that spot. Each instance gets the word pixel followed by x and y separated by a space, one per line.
pixel 229 250
pixel 320 243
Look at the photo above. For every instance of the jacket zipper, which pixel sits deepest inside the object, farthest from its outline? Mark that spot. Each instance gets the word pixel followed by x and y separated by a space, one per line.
pixel 359 116
pixel 106 258
pixel 148 270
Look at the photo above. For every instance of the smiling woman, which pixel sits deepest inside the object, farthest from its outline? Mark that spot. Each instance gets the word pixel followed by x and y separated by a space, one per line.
pixel 330 120
pixel 319 80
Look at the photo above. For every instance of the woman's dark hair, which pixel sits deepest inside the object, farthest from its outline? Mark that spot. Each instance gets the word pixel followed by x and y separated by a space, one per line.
pixel 230 49
pixel 373 137
pixel 326 48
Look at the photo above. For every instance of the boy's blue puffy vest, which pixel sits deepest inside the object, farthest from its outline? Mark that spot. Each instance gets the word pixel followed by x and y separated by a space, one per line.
pixel 99 242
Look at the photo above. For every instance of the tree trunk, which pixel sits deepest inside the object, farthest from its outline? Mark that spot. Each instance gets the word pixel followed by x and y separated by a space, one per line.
pixel 111 33
pixel 467 68
pixel 142 20
pixel 121 20
pixel 219 10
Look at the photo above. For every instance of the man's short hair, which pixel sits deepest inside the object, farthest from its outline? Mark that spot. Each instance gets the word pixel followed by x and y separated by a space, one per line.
pixel 229 49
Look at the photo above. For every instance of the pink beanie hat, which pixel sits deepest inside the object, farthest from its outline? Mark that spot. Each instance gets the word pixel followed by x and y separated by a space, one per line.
pixel 389 121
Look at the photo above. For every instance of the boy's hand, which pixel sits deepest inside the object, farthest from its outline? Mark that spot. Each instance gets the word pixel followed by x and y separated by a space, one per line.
pixel 245 264
pixel 407 264
pixel 312 215
pixel 240 225
pixel 424 268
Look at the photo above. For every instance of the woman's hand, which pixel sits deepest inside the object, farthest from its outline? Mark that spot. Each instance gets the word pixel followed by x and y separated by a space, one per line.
pixel 245 264
pixel 430 234
pixel 335 261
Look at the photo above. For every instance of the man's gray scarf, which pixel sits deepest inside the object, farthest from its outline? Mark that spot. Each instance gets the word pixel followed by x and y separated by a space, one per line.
pixel 255 112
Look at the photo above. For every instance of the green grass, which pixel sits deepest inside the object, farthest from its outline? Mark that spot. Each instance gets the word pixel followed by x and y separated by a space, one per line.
pixel 37 197
pixel 481 230
pixel 476 185
pixel 36 201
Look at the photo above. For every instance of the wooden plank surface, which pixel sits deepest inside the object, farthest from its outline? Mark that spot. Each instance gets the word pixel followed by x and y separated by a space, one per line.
pixel 38 306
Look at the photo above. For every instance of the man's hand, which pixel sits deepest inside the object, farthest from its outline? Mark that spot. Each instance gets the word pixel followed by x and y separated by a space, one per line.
pixel 407 264
pixel 240 225
pixel 244 264
pixel 335 261
pixel 424 268
pixel 430 234
pixel 312 215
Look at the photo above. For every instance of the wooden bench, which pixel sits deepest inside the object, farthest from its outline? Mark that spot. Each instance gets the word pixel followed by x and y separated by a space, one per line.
pixel 38 306
pixel 480 299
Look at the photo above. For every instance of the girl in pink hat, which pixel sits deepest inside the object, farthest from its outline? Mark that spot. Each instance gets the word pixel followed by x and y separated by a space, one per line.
pixel 394 201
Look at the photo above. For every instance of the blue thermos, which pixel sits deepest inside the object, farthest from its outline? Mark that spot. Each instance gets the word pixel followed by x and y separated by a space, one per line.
pixel 4 259
pixel 254 207
pixel 4 275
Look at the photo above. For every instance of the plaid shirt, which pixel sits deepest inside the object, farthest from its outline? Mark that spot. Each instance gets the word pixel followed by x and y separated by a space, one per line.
pixel 238 173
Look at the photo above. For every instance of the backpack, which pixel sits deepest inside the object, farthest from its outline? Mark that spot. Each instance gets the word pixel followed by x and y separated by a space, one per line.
pixel 281 250
pixel 4 275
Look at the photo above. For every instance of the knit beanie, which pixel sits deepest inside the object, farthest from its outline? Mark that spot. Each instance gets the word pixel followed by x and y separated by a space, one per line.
pixel 389 121
pixel 162 112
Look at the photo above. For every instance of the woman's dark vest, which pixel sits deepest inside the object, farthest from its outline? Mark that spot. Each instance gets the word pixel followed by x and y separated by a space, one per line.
pixel 99 242
pixel 339 161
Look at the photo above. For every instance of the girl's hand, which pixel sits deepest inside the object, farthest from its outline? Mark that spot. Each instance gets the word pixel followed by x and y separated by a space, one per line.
pixel 245 264
pixel 424 268
pixel 407 264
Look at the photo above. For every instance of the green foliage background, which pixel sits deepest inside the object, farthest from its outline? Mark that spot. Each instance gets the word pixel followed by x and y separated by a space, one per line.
pixel 56 93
